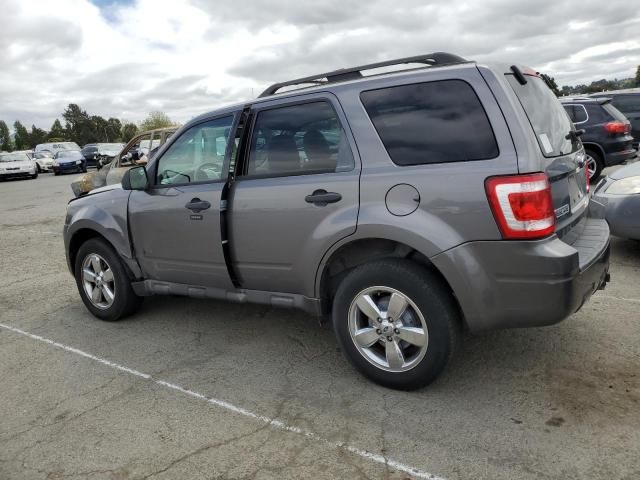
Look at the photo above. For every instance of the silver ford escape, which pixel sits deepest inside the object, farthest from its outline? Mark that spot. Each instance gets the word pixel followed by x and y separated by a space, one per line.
pixel 407 205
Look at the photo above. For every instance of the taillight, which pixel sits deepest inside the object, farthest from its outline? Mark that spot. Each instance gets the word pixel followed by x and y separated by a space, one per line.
pixel 522 205
pixel 616 127
pixel 587 176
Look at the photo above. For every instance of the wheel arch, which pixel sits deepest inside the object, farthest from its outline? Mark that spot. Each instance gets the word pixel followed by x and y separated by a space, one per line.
pixel 359 251
pixel 595 146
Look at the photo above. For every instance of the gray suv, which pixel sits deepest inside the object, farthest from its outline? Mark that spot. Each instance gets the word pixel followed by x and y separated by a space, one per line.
pixel 406 206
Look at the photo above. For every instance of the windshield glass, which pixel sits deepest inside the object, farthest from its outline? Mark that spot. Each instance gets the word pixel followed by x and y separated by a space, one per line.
pixel 71 154
pixel 69 146
pixel 547 117
pixel 14 157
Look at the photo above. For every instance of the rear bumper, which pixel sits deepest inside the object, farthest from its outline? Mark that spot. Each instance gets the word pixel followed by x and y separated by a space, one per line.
pixel 506 284
pixel 616 158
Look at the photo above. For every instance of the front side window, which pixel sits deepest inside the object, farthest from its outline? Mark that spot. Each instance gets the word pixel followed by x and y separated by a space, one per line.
pixel 434 122
pixel 198 155
pixel 299 140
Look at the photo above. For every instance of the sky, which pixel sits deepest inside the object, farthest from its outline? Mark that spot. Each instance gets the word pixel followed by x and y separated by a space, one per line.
pixel 125 58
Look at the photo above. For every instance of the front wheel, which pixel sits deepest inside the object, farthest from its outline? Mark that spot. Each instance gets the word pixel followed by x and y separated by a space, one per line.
pixel 103 283
pixel 396 323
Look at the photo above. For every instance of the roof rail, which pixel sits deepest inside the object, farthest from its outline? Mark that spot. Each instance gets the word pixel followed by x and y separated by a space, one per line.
pixel 344 74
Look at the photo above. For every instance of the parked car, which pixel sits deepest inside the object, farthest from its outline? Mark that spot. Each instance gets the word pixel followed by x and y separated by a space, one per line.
pixel 619 196
pixel 407 205
pixel 628 102
pixel 90 154
pixel 55 147
pixel 17 165
pixel 107 152
pixel 132 154
pixel 607 140
pixel 44 161
pixel 69 161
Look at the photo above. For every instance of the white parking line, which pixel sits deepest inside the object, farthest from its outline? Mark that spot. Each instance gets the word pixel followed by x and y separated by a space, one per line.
pixel 374 457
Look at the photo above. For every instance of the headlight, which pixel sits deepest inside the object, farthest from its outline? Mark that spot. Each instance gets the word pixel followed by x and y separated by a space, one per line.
pixel 78 162
pixel 626 186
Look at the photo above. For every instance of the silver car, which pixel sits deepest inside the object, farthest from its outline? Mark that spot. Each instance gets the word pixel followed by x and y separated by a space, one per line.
pixel 405 206
pixel 17 165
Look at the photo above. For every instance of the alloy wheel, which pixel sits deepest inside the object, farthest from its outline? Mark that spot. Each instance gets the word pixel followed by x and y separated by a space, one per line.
pixel 97 281
pixel 388 329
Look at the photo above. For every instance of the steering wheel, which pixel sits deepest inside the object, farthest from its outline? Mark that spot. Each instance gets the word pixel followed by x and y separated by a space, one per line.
pixel 202 172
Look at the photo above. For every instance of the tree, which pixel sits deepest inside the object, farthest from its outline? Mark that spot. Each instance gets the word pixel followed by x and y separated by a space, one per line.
pixel 5 137
pixel 21 137
pixel 638 76
pixel 156 120
pixel 114 130
pixel 129 131
pixel 551 83
pixel 57 132
pixel 79 125
pixel 37 136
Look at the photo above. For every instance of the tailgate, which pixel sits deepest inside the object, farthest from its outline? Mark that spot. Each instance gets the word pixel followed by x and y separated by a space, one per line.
pixel 561 152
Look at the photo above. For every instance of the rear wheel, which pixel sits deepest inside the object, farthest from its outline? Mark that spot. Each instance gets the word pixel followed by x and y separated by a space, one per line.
pixel 396 323
pixel 595 164
pixel 103 283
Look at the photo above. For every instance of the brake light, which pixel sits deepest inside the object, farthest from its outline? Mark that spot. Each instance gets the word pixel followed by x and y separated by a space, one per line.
pixel 588 177
pixel 522 205
pixel 616 127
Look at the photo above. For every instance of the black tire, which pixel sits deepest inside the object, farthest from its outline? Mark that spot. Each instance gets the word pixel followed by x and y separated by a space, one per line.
pixel 38 169
pixel 56 173
pixel 35 175
pixel 599 163
pixel 125 301
pixel 429 294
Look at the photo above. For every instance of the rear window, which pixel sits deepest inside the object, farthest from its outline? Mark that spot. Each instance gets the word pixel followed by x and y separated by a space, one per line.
pixel 626 103
pixel 614 112
pixel 434 122
pixel 549 121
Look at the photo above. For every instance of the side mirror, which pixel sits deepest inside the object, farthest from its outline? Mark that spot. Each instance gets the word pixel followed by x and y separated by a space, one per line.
pixel 135 179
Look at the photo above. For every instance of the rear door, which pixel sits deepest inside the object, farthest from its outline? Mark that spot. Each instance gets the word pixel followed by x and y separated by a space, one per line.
pixel 295 195
pixel 560 150
pixel 175 224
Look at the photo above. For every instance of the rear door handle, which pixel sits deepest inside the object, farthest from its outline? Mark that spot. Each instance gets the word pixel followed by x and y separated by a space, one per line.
pixel 196 205
pixel 322 198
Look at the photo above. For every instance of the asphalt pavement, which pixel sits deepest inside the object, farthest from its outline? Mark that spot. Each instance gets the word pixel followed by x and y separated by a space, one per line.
pixel 190 389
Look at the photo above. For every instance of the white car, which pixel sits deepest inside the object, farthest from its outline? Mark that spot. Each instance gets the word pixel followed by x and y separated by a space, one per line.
pixel 44 161
pixel 16 165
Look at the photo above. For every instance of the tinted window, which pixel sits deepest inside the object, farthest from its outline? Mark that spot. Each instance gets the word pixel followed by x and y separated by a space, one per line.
pixel 570 111
pixel 298 140
pixel 431 122
pixel 626 103
pixel 580 114
pixel 548 119
pixel 197 155
pixel 614 112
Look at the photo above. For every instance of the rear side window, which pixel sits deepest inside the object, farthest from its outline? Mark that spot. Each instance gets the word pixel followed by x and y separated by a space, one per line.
pixel 434 122
pixel 580 114
pixel 614 112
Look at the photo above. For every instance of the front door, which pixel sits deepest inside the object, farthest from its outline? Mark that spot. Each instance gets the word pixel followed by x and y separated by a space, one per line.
pixel 175 224
pixel 295 195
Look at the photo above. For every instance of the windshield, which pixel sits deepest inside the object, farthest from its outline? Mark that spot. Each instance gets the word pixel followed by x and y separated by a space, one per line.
pixel 547 117
pixel 71 154
pixel 14 157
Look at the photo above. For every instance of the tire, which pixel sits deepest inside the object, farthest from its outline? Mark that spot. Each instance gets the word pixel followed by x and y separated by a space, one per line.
pixel 595 162
pixel 430 304
pixel 56 173
pixel 38 169
pixel 35 175
pixel 124 301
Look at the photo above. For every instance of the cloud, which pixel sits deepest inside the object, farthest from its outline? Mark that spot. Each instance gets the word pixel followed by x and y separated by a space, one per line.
pixel 125 58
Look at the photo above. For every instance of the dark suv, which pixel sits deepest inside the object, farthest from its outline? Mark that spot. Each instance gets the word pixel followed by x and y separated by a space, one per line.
pixel 405 205
pixel 628 102
pixel 606 136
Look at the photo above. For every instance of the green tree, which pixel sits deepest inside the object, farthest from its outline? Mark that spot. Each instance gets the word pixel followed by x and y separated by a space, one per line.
pixel 638 76
pixel 129 131
pixel 156 120
pixel 114 130
pixel 79 125
pixel 21 137
pixel 5 137
pixel 551 83
pixel 98 129
pixel 37 136
pixel 57 132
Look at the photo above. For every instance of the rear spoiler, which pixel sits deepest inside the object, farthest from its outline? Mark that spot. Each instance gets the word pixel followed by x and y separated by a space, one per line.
pixel 601 100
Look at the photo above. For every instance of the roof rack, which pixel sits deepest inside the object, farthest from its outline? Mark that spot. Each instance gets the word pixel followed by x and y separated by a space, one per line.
pixel 344 74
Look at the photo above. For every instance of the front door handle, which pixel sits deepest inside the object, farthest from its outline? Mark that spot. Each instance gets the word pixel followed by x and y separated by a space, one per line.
pixel 322 198
pixel 196 205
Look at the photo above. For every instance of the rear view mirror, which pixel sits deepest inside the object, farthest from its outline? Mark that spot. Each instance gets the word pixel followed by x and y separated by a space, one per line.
pixel 135 179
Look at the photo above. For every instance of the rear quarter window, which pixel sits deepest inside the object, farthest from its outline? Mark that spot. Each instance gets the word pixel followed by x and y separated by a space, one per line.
pixel 433 122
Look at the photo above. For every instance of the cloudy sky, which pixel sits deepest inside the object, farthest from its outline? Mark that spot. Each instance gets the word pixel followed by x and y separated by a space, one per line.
pixel 124 58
